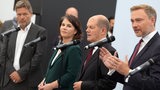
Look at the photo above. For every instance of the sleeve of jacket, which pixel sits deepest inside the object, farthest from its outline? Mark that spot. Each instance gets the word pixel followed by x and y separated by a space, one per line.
pixel 148 79
pixel 74 58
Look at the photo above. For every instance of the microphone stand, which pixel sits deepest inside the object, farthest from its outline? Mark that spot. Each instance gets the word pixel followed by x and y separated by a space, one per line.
pixel 3 57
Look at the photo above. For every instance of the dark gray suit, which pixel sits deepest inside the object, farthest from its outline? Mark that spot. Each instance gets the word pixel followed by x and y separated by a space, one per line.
pixel 8 24
pixel 30 59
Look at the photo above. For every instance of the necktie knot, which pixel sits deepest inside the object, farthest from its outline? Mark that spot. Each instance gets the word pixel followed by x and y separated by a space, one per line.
pixel 140 41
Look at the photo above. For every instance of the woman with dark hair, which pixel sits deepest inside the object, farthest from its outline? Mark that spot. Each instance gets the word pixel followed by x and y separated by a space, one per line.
pixel 65 63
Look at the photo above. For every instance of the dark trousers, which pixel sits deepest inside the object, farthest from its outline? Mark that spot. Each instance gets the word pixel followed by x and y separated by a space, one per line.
pixel 19 86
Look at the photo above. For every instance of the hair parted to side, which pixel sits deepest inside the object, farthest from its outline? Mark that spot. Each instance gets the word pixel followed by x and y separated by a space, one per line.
pixel 150 11
pixel 75 22
pixel 24 4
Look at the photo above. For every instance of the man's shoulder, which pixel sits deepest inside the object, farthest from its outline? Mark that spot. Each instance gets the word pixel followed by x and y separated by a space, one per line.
pixel 109 47
pixel 36 26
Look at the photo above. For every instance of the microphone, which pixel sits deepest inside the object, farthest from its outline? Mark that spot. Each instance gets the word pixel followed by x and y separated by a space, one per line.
pixel 148 63
pixel 10 31
pixel 100 43
pixel 74 42
pixel 33 42
pixel 143 66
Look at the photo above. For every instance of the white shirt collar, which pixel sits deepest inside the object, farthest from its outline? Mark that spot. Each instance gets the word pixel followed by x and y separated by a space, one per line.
pixel 147 38
pixel 95 48
pixel 28 26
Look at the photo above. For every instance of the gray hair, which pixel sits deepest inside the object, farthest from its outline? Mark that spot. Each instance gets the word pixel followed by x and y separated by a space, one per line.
pixel 24 4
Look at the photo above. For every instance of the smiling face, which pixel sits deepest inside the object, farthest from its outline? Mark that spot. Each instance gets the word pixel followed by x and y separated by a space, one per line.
pixel 141 23
pixel 67 30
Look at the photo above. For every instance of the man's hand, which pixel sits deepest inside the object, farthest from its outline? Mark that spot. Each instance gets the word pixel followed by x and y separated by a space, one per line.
pixel 77 85
pixel 112 62
pixel 15 77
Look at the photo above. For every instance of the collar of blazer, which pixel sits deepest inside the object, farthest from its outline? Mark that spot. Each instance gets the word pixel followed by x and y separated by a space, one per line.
pixel 145 50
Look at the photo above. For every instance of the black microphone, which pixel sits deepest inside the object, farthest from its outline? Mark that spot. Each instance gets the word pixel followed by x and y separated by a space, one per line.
pixel 144 65
pixel 33 42
pixel 10 31
pixel 61 46
pixel 100 43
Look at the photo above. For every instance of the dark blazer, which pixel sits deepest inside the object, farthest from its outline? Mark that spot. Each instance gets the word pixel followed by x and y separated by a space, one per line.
pixel 30 58
pixel 148 79
pixel 94 75
pixel 8 24
pixel 65 68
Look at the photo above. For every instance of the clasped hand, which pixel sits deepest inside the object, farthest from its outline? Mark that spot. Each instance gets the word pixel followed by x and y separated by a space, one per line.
pixel 15 77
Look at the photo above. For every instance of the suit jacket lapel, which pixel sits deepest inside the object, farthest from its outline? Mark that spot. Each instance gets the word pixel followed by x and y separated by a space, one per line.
pixel 94 56
pixel 57 59
pixel 51 59
pixel 30 37
pixel 140 54
pixel 14 39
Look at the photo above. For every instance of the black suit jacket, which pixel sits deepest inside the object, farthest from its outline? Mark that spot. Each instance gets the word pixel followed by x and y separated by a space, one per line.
pixel 30 58
pixel 148 79
pixel 94 75
pixel 8 24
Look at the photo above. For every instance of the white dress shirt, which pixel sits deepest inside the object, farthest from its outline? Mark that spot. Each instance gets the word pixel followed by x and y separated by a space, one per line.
pixel 95 48
pixel 21 37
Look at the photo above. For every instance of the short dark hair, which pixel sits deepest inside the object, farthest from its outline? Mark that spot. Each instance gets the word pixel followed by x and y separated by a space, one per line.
pixel 110 18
